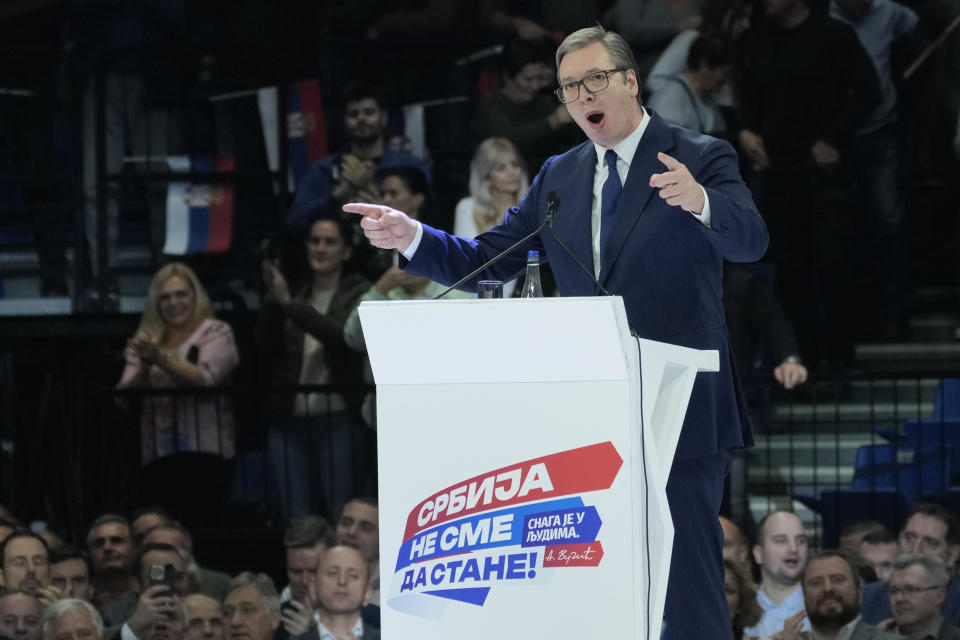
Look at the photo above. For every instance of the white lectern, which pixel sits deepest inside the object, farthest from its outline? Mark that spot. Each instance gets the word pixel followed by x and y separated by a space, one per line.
pixel 524 448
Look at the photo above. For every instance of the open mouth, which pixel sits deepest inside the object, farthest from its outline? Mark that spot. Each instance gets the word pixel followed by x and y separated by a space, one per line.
pixel 595 118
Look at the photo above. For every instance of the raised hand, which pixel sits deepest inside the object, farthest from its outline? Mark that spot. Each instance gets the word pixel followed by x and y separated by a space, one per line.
pixel 384 227
pixel 677 185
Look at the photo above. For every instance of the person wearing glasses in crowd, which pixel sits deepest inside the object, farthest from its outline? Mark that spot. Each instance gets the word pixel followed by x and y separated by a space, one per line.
pixel 653 209
pixel 918 587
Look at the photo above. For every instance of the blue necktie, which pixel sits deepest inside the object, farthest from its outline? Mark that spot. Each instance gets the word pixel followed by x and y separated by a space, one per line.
pixel 609 196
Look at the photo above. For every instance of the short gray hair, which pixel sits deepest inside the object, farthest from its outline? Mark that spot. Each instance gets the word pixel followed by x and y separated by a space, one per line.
pixel 53 612
pixel 262 582
pixel 618 48
pixel 933 565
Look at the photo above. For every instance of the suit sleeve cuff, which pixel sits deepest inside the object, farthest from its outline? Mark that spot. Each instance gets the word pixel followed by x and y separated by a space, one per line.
pixel 412 249
pixel 704 216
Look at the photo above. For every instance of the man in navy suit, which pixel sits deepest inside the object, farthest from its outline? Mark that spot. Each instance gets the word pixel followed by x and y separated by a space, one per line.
pixel 655 209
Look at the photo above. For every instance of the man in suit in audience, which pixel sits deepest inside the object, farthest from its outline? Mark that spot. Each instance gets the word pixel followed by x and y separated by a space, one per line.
pixel 918 588
pixel 930 530
pixel 832 593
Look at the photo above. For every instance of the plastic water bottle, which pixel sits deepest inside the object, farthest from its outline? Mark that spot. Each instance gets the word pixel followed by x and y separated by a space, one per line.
pixel 531 281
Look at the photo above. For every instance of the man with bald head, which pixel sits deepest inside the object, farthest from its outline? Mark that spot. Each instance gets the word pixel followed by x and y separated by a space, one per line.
pixel 781 552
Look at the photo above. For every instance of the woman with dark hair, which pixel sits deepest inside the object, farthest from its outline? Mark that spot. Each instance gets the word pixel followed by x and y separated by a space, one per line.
pixel 316 439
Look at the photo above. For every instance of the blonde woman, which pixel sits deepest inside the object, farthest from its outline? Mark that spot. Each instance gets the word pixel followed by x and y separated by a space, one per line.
pixel 498 181
pixel 180 344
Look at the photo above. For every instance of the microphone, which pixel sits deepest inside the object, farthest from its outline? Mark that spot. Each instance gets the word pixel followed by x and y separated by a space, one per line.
pixel 553 203
pixel 503 253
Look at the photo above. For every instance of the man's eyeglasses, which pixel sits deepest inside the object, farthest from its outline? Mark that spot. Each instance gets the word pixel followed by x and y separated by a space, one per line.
pixel 593 83
pixel 910 590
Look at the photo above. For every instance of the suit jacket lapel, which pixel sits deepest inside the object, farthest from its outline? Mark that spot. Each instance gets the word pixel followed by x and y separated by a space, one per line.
pixel 572 222
pixel 637 190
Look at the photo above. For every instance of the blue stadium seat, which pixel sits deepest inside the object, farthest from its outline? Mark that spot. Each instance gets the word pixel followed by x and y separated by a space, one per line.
pixel 918 472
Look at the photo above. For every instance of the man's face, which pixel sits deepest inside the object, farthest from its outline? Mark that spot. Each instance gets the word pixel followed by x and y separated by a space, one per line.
pixel 359 528
pixel 734 546
pixel 110 546
pixel 609 116
pixel 247 615
pixel 326 249
pixel 830 594
pixel 72 578
pixel 75 624
pixel 879 557
pixel 342 581
pixel 302 570
pixel 204 618
pixel 163 558
pixel 20 616
pixel 782 551
pixel 144 524
pixel 364 120
pixel 913 597
pixel 928 535
pixel 25 565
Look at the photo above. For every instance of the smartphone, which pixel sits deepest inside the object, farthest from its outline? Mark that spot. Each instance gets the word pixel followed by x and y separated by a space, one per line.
pixel 161 574
pixel 287 606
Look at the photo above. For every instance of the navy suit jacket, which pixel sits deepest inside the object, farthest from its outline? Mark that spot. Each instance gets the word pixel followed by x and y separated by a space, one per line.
pixel 665 263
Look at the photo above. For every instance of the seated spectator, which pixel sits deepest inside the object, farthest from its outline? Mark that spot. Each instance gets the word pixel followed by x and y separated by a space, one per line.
pixel 688 98
pixel 111 550
pixel 832 594
pixel 251 608
pixel 781 551
pixel 20 616
pixel 522 113
pixel 24 563
pixel 206 581
pixel 316 440
pixel 918 588
pixel 145 520
pixel 498 182
pixel 735 547
pixel 154 592
pixel 343 589
pixel 930 530
pixel 305 540
pixel 879 549
pixel 359 527
pixel 204 617
pixel 854 533
pixel 70 573
pixel 741 598
pixel 349 175
pixel 180 344
pixel 72 619
pixel 758 326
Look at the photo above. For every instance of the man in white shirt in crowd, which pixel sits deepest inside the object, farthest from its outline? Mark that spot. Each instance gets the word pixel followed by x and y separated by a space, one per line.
pixel 781 552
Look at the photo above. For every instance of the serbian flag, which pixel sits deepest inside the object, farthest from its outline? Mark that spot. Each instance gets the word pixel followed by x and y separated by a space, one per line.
pixel 199 216
pixel 306 127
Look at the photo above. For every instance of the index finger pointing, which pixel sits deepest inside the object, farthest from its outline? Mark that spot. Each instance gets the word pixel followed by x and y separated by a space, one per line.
pixel 366 210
